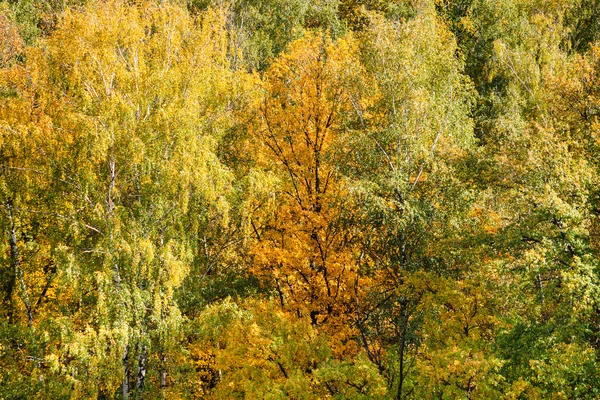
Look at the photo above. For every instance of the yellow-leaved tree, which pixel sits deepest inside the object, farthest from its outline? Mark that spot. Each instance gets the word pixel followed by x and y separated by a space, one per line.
pixel 120 112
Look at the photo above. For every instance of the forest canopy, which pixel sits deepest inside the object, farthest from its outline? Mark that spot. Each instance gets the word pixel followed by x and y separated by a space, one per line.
pixel 378 199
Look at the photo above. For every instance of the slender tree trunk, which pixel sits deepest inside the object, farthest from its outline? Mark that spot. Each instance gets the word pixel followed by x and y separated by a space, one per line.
pixel 125 384
pixel 163 371
pixel 142 366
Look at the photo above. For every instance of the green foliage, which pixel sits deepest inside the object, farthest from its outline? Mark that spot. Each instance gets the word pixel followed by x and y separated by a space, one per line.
pixel 299 199
pixel 261 30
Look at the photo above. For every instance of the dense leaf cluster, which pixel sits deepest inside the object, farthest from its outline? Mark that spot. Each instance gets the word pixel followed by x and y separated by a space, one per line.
pixel 300 199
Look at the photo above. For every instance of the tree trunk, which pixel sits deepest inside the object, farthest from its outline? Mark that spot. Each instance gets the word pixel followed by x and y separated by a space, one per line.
pixel 125 384
pixel 163 371
pixel 142 366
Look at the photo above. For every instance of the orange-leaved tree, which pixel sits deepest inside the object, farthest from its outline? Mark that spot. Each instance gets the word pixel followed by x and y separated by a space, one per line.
pixel 305 247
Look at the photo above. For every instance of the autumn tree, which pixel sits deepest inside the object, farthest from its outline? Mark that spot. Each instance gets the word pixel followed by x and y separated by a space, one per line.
pixel 409 167
pixel 537 181
pixel 303 249
pixel 131 113
pixel 299 199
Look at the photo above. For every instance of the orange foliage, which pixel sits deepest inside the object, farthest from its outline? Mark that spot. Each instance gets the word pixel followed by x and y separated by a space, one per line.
pixel 305 249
